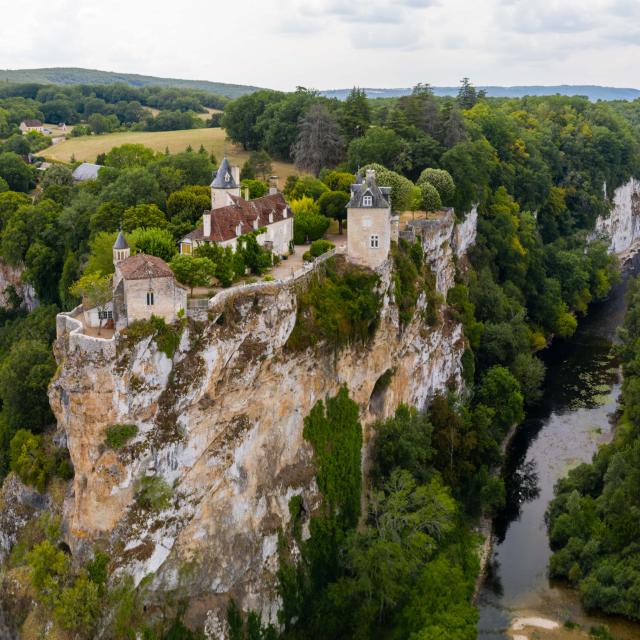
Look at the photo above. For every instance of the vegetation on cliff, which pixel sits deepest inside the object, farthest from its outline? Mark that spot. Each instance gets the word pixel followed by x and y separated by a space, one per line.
pixel 339 307
pixel 593 520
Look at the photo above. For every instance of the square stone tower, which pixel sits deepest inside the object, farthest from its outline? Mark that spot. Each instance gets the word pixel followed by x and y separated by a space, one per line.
pixel 369 222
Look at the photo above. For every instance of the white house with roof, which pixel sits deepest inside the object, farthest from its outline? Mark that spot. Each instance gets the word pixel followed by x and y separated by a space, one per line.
pixel 26 126
pixel 371 226
pixel 232 216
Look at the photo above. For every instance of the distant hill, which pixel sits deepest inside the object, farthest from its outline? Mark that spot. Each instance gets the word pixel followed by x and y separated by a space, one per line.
pixel 73 75
pixel 593 92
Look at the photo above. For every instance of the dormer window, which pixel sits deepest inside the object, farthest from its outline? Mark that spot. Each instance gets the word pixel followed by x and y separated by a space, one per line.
pixel 270 217
pixel 227 177
pixel 255 223
pixel 239 229
pixel 367 201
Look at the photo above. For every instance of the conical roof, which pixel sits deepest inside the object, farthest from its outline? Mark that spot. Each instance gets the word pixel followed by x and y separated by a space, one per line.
pixel 224 177
pixel 121 242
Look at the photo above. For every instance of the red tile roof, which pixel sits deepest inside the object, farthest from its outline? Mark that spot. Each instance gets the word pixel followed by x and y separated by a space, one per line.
pixel 32 123
pixel 142 266
pixel 224 221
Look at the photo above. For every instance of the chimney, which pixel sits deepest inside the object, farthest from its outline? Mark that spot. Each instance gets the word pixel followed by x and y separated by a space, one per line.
pixel 235 174
pixel 273 185
pixel 371 174
pixel 246 193
pixel 206 224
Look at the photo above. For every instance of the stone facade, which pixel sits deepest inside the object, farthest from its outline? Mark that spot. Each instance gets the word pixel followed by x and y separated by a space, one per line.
pixel 369 223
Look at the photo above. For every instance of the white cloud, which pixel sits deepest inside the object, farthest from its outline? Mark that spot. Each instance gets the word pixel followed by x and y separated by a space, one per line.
pixel 332 43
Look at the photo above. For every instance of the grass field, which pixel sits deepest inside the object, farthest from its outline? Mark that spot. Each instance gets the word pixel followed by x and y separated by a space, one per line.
pixel 87 148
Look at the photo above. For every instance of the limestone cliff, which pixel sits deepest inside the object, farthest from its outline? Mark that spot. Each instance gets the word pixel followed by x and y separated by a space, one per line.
pixel 622 225
pixel 221 422
pixel 12 276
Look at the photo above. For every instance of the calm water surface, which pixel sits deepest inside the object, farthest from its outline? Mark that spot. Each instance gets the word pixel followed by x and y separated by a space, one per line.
pixel 573 418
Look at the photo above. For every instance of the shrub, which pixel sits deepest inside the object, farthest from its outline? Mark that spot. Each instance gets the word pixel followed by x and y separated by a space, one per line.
pixel 442 181
pixel 308 222
pixel 318 247
pixel 119 434
pixel 430 197
pixel 340 308
pixel 153 493
pixel 29 460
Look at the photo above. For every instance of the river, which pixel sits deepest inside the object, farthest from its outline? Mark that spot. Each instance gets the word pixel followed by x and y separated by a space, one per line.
pixel 574 416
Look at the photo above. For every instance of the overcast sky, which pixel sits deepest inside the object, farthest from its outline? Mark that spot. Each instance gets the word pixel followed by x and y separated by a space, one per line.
pixel 332 43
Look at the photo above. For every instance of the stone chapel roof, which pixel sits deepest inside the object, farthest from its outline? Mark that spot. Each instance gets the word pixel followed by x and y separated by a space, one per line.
pixel 368 186
pixel 142 266
pixel 223 171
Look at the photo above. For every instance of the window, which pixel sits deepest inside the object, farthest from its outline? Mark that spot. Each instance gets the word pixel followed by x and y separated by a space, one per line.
pixel 227 177
pixel 367 201
pixel 374 241
pixel 105 315
pixel 150 298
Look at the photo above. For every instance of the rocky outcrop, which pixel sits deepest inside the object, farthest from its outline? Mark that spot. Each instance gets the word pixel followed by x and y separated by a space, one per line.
pixel 221 423
pixel 622 226
pixel 12 276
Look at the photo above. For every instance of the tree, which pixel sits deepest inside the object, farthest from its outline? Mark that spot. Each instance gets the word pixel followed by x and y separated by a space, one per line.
pixel 28 459
pixel 129 156
pixel 430 197
pixel 192 271
pixel 354 116
pixel 378 145
pixel 308 223
pixel 133 186
pixel 442 181
pixel 25 374
pixel 79 606
pixel 49 570
pixel 143 215
pixel 10 202
pixel 257 188
pixel 101 253
pixel 188 204
pixel 18 175
pixel 298 187
pixel 501 391
pixel 258 164
pixel 153 242
pixel 468 95
pixel 338 180
pixel 333 204
pixel 96 290
pixel 319 142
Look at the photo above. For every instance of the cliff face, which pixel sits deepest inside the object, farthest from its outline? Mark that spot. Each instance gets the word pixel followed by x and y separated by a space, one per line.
pixel 622 226
pixel 13 276
pixel 221 422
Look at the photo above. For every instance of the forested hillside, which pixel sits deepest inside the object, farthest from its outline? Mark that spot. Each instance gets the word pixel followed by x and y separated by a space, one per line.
pixel 76 75
pixel 96 109
pixel 535 167
pixel 594 522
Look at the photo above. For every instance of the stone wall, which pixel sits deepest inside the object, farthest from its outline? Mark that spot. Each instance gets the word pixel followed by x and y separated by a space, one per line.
pixel 169 298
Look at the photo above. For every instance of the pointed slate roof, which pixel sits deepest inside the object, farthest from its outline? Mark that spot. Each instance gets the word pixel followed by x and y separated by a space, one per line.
pixel 224 171
pixel 381 195
pixel 121 242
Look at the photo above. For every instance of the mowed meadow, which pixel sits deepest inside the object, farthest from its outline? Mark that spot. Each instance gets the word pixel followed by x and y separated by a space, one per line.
pixel 87 148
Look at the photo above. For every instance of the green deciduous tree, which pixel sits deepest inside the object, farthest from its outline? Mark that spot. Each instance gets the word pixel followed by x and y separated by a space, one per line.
pixel 143 215
pixel 333 204
pixel 153 242
pixel 192 271
pixel 96 292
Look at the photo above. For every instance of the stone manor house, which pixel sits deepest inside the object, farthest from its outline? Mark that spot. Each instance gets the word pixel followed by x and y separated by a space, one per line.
pixel 232 216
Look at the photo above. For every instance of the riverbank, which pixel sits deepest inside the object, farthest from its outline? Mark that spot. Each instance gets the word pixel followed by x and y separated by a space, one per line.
pixel 571 422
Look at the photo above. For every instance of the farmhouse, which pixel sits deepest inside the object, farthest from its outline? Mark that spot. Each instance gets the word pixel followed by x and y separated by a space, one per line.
pixel 142 286
pixel 27 126
pixel 232 216
pixel 370 224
